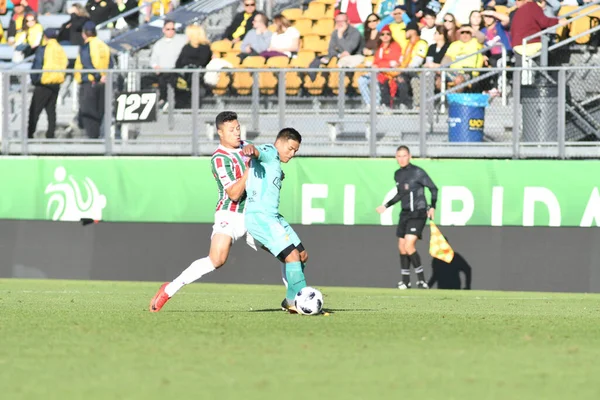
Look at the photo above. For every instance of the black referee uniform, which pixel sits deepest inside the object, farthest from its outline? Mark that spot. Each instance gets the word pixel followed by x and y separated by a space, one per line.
pixel 411 182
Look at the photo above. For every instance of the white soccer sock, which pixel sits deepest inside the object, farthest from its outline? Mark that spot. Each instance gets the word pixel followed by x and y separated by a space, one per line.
pixel 195 271
pixel 283 277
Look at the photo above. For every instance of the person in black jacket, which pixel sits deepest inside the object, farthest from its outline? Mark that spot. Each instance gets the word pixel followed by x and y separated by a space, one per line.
pixel 70 31
pixel 195 54
pixel 242 22
pixel 411 182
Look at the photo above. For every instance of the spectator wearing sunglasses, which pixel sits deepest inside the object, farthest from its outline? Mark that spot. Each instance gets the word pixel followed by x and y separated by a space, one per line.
pixel 30 37
pixel 17 20
pixel 163 56
pixel 371 35
pixel 242 22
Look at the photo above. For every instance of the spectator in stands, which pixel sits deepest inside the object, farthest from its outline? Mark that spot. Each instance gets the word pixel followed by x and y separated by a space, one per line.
pixel 285 40
pixel 436 52
pixel 528 20
pixel 413 57
pixel 50 56
pixel 451 27
pixel 396 21
pixel 371 35
pixel 428 31
pixel 70 31
pixel 17 24
pixel 29 39
pixel 93 55
pixel 467 45
pixel 346 44
pixel 495 32
pixel 242 22
pixel 51 7
pixel 101 10
pixel 398 26
pixel 356 12
pixel 258 39
pixel 461 9
pixel 164 55
pixel 476 20
pixel 195 54
pixel 387 56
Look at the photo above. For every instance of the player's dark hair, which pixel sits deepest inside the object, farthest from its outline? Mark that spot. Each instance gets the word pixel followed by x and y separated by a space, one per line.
pixel 225 116
pixel 168 21
pixel 289 134
pixel 403 147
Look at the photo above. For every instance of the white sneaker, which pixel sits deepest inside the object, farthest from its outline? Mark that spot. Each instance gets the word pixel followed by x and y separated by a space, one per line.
pixel 402 285
pixel 422 285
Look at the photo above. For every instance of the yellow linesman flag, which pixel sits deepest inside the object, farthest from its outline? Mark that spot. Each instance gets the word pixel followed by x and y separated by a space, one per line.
pixel 438 245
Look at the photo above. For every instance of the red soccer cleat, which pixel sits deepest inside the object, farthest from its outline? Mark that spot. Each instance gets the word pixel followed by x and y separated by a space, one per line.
pixel 159 299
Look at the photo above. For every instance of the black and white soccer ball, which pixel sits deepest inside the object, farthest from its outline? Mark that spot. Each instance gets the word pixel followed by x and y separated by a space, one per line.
pixel 309 301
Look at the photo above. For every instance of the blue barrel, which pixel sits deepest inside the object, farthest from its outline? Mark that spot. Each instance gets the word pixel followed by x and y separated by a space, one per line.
pixel 466 116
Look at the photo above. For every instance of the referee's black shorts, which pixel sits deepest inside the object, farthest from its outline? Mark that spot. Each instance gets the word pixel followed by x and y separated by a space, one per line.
pixel 411 223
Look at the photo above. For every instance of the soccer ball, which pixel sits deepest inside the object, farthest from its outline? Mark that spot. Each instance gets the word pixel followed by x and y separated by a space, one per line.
pixel 309 301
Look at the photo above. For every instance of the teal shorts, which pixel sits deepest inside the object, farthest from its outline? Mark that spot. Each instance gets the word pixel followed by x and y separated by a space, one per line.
pixel 272 231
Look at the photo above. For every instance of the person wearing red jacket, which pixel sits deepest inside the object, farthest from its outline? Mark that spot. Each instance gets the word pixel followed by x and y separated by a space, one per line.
pixel 528 20
pixel 387 56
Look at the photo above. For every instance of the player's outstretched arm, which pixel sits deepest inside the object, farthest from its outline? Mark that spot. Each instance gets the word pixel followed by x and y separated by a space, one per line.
pixel 251 151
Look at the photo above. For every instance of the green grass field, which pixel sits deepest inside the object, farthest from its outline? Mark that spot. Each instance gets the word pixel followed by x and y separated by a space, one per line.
pixel 96 340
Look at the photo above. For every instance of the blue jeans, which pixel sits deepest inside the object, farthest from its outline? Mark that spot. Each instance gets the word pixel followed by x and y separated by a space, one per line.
pixel 364 84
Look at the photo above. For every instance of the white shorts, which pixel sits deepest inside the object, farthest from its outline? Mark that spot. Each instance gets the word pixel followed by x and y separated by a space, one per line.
pixel 233 225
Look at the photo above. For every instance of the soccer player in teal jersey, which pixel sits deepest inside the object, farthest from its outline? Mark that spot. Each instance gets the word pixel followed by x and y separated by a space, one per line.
pixel 229 169
pixel 263 220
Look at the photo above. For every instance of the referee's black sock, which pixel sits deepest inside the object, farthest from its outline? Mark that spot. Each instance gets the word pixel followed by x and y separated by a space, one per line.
pixel 415 258
pixel 405 268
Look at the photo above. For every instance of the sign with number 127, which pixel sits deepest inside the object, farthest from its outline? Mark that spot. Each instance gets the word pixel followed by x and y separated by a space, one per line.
pixel 136 107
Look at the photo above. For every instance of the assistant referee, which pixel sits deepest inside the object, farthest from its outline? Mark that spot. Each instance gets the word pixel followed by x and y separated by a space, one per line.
pixel 411 182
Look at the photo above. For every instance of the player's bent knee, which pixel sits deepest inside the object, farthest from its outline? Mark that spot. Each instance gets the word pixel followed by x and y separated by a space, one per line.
pixel 289 254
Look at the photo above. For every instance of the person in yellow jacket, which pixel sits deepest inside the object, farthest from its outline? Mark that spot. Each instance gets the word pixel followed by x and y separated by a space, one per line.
pixel 29 38
pixel 48 57
pixel 93 55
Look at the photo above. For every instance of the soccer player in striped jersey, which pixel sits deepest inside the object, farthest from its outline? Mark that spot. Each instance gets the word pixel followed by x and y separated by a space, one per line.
pixel 229 168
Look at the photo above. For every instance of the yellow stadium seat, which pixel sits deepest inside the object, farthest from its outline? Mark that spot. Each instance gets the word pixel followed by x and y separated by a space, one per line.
pixel 233 59
pixel 502 10
pixel 268 80
pixel 315 87
pixel 242 81
pixel 315 43
pixel 304 26
pixel 292 13
pixel 314 11
pixel 221 46
pixel 303 59
pixel 323 27
pixel 330 3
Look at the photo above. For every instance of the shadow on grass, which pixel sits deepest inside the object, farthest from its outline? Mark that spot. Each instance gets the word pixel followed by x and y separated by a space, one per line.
pixel 269 310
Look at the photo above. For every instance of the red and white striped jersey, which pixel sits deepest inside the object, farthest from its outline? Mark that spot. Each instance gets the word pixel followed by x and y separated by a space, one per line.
pixel 228 165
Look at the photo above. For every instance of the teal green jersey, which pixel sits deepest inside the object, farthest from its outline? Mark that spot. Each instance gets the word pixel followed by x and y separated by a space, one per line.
pixel 264 182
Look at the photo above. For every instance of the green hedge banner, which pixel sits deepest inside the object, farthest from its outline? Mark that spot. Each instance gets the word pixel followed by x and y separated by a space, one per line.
pixel 315 190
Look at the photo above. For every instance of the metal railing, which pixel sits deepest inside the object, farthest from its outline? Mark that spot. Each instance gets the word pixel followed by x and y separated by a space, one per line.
pixel 336 121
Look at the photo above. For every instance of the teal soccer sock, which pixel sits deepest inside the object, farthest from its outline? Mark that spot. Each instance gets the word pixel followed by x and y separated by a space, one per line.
pixel 295 279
